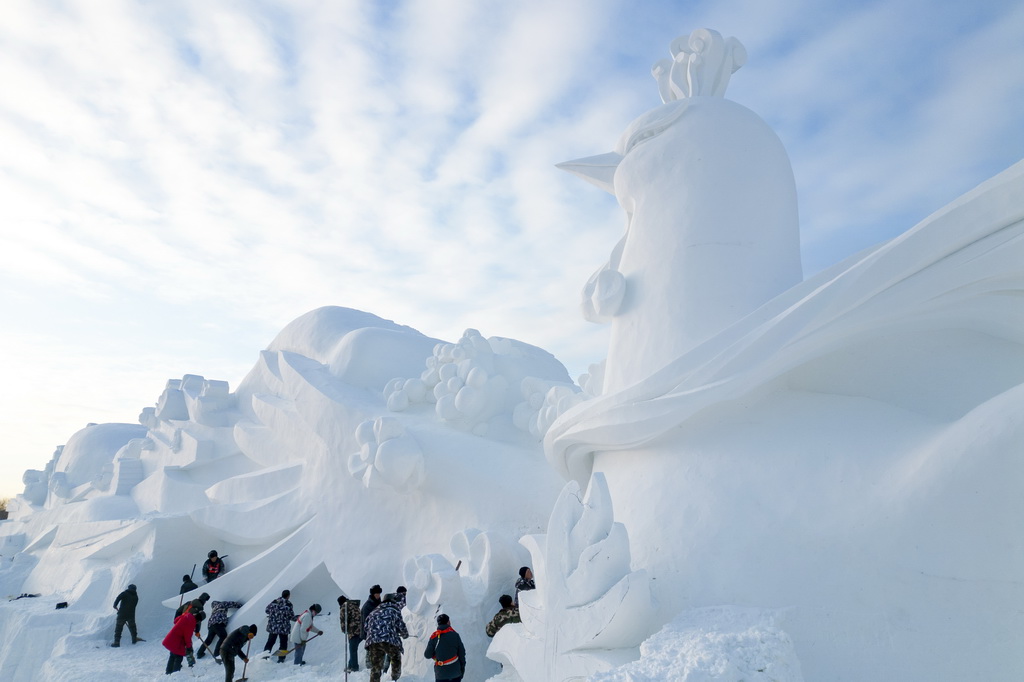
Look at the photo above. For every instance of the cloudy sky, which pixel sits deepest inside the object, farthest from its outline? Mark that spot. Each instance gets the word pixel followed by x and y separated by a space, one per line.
pixel 180 179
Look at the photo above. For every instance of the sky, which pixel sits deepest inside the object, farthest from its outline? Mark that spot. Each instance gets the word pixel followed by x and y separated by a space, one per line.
pixel 179 180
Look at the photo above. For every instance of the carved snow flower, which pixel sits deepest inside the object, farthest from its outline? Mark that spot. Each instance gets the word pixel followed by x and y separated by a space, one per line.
pixel 431 580
pixel 387 456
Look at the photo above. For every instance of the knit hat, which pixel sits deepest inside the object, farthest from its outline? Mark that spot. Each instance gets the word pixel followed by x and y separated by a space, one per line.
pixel 253 629
pixel 442 620
pixel 315 607
pixel 186 578
pixel 523 570
pixel 132 588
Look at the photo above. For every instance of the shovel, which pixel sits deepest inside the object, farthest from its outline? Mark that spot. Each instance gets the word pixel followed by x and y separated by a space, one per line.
pixel 243 678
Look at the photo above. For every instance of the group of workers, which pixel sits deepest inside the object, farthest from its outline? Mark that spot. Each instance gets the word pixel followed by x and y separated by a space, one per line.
pixel 377 623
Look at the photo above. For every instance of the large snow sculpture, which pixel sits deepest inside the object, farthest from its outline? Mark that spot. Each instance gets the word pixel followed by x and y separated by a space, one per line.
pixel 711 215
pixel 849 448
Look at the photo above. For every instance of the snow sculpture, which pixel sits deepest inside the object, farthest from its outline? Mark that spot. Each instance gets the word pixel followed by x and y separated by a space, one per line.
pixel 711 216
pixel 828 449
pixel 589 611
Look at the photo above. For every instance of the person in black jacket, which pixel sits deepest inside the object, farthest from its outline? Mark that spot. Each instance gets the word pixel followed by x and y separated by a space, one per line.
pixel 524 584
pixel 213 567
pixel 186 584
pixel 125 605
pixel 446 648
pixel 233 646
pixel 372 602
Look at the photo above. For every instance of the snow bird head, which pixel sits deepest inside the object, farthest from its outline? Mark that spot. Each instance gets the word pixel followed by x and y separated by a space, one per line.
pixel 701 66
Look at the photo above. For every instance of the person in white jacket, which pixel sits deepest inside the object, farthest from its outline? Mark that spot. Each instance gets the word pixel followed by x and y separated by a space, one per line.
pixel 303 631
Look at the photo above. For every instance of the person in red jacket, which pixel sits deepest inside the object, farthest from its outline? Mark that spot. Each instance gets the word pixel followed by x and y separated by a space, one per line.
pixel 179 640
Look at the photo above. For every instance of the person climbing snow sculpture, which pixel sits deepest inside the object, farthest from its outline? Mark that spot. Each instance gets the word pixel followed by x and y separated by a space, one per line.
pixel 217 629
pixel 509 613
pixel 525 583
pixel 213 567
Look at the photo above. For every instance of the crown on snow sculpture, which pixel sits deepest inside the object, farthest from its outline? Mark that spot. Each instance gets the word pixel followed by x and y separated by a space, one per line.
pixel 701 65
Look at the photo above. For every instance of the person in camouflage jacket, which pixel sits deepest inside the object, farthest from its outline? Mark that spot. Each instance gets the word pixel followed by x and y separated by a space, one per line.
pixel 217 628
pixel 385 630
pixel 280 616
pixel 352 626
pixel 508 614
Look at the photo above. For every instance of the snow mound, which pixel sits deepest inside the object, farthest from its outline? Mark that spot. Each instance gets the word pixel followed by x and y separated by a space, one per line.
pixel 714 644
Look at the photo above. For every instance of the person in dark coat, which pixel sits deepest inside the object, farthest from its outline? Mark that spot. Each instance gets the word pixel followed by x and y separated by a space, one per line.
pixel 218 627
pixel 385 630
pixel 280 615
pixel 525 583
pixel 352 627
pixel 445 647
pixel 372 602
pixel 186 584
pixel 125 604
pixel 179 640
pixel 233 645
pixel 213 567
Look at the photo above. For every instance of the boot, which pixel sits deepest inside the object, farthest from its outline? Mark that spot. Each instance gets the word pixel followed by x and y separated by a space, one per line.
pixel 116 644
pixel 136 640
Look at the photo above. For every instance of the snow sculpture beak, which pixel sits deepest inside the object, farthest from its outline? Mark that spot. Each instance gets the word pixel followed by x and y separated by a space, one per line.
pixel 598 170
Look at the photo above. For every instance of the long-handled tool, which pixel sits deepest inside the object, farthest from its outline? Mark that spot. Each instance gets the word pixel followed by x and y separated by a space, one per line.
pixel 243 678
pixel 344 638
pixel 203 645
pixel 282 652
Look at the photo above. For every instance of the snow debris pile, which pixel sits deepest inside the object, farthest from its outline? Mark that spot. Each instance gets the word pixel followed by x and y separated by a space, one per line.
pixel 714 644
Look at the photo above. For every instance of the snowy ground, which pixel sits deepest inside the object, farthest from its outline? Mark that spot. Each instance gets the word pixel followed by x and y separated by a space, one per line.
pixel 719 644
pixel 91 659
